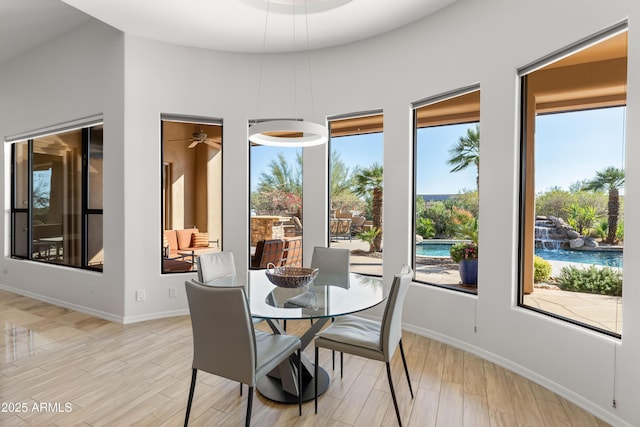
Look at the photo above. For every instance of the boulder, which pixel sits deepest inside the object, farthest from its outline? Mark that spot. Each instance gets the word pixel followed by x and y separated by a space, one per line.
pixel 419 238
pixel 572 234
pixel 590 242
pixel 576 243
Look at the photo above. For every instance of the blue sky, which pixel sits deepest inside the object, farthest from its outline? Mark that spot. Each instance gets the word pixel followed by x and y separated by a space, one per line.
pixel 570 147
pixel 573 146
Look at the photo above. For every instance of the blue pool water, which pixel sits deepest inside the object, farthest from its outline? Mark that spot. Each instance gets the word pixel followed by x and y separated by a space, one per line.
pixel 433 249
pixel 610 258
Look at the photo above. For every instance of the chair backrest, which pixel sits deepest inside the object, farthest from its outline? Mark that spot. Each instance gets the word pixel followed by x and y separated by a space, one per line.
pixel 392 318
pixel 215 265
pixel 223 335
pixel 268 251
pixel 332 265
pixel 292 254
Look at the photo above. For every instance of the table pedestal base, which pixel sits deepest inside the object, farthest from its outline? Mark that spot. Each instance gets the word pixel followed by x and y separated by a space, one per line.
pixel 271 388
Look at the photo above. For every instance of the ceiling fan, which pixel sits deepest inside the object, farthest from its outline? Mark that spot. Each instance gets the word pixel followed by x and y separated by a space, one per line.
pixel 198 137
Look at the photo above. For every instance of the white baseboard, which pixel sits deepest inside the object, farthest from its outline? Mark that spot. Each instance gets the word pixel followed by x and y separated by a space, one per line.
pixel 82 309
pixel 153 316
pixel 98 313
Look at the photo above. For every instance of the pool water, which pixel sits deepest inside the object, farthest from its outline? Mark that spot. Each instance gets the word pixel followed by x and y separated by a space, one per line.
pixel 433 249
pixel 608 258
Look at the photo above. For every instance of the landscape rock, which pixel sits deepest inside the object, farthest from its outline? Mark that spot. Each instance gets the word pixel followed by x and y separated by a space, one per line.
pixel 572 234
pixel 576 243
pixel 590 242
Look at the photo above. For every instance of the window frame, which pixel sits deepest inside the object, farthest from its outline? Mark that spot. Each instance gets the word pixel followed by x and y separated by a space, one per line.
pixel 415 106
pixel 347 116
pixel 526 196
pixel 85 211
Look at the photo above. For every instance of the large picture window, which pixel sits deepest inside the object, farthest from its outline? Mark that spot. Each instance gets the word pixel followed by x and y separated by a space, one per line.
pixel 57 198
pixel 276 224
pixel 191 190
pixel 356 189
pixel 572 191
pixel 446 183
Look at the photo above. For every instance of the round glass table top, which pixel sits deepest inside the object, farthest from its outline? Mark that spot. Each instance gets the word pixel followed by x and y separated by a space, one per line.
pixel 353 294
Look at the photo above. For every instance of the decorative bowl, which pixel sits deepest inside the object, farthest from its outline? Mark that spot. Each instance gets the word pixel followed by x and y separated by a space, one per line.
pixel 291 277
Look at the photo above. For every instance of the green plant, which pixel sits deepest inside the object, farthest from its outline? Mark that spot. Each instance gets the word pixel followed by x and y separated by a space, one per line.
pixel 581 218
pixel 620 230
pixel 369 236
pixel 601 229
pixel 605 281
pixel 541 269
pixel 425 228
pixel 464 251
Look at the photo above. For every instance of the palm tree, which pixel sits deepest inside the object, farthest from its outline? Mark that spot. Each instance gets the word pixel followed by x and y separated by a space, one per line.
pixel 369 182
pixel 466 152
pixel 610 179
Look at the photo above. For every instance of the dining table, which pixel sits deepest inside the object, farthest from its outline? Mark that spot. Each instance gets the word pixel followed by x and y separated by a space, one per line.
pixel 317 304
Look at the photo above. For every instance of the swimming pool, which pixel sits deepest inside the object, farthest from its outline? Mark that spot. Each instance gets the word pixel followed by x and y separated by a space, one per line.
pixel 609 258
pixel 433 249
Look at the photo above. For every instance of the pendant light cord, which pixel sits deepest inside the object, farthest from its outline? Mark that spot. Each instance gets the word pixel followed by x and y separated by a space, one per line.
pixel 306 20
pixel 295 71
pixel 264 44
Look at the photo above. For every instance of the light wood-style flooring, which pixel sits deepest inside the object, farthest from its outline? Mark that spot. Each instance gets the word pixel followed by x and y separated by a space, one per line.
pixel 115 375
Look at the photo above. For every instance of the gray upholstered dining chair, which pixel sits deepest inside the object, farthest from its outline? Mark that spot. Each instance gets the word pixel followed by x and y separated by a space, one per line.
pixel 369 338
pixel 332 265
pixel 226 344
pixel 333 269
pixel 215 265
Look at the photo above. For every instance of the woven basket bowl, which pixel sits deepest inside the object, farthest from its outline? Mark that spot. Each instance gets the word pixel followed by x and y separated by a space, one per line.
pixel 291 277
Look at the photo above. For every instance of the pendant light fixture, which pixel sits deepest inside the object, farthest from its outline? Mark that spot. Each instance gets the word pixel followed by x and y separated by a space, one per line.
pixel 278 133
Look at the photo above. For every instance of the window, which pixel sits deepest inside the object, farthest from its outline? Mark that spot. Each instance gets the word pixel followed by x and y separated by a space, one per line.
pixel 57 198
pixel 572 191
pixel 356 189
pixel 276 206
pixel 446 183
pixel 191 186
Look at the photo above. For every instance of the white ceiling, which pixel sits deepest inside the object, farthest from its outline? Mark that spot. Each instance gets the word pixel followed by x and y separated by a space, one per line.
pixel 228 25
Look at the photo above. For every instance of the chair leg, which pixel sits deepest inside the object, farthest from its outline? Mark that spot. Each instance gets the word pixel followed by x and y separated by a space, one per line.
pixel 247 422
pixel 341 363
pixel 299 383
pixel 240 389
pixel 393 394
pixel 194 373
pixel 406 370
pixel 315 380
pixel 333 356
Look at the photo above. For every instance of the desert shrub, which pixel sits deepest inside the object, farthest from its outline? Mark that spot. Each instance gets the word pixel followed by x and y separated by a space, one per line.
pixel 541 270
pixel 605 281
pixel 425 228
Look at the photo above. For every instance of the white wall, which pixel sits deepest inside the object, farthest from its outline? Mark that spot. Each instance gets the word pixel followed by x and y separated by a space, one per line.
pixel 473 41
pixel 78 74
